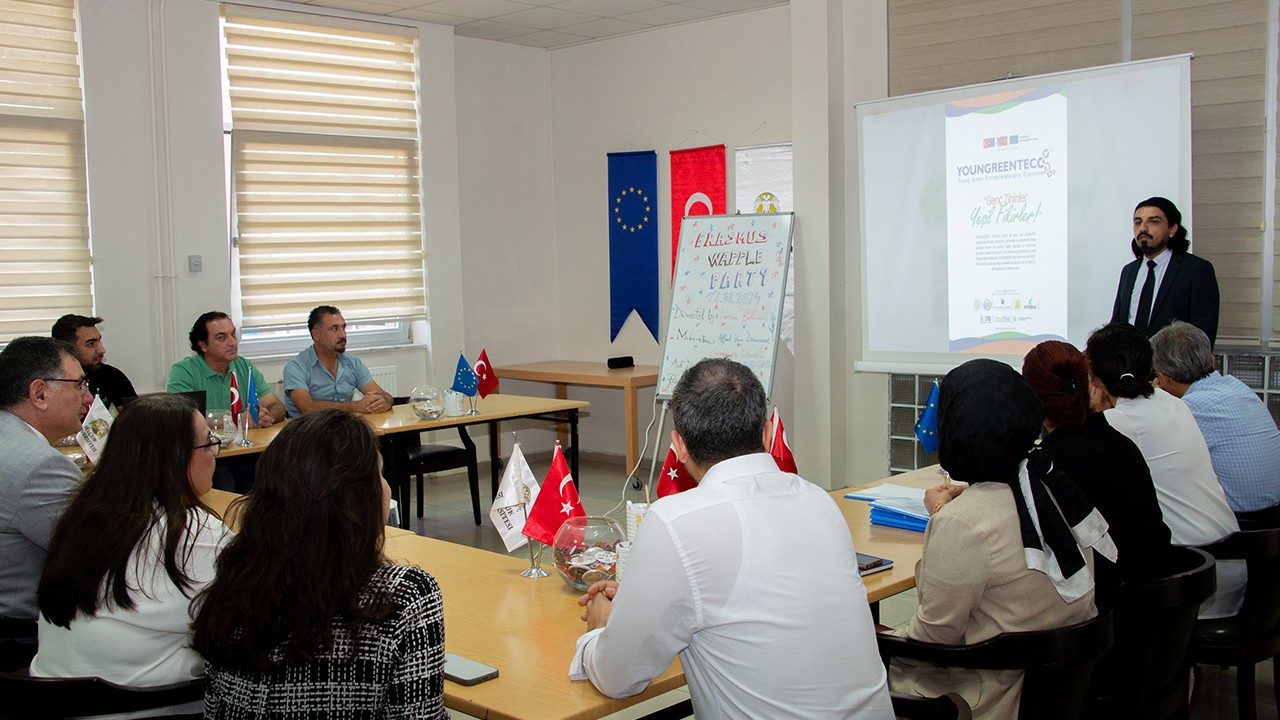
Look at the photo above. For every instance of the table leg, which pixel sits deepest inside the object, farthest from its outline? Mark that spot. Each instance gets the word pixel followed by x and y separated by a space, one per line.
pixel 562 393
pixel 633 443
pixel 573 431
pixel 396 470
pixel 470 445
pixel 495 463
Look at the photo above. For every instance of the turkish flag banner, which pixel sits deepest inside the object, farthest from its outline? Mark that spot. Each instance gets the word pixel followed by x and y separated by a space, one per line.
pixel 697 188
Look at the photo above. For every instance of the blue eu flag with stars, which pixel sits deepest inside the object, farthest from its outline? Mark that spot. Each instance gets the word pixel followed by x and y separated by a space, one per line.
pixel 927 425
pixel 633 239
pixel 464 378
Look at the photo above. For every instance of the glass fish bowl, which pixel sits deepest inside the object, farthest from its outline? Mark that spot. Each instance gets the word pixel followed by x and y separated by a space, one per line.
pixel 427 402
pixel 586 550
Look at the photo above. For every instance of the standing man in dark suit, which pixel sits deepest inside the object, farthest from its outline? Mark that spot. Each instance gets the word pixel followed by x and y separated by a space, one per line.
pixel 1165 283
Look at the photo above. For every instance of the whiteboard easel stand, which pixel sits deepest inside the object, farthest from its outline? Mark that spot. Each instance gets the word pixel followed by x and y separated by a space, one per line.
pixel 657 447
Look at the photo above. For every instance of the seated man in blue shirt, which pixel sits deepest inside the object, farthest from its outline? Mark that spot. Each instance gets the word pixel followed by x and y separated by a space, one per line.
pixel 1244 444
pixel 325 376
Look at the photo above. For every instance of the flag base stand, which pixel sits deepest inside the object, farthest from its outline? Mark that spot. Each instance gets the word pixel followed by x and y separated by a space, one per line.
pixel 535 570
pixel 472 402
pixel 244 429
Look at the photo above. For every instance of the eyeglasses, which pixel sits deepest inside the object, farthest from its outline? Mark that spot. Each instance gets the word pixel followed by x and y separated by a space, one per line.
pixel 215 442
pixel 83 383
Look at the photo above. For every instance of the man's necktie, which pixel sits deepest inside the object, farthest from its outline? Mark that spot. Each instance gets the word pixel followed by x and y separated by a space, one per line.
pixel 1143 316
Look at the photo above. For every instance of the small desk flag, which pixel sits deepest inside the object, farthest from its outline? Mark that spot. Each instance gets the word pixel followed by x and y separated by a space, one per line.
pixel 251 402
pixel 779 448
pixel 236 405
pixel 488 379
pixel 927 425
pixel 464 378
pixel 557 501
pixel 94 430
pixel 675 477
pixel 516 494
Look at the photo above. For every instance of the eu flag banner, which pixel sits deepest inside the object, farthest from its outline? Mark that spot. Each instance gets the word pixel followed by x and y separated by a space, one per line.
pixel 633 239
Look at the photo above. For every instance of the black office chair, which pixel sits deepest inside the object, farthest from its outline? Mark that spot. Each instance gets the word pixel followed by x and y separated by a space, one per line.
pixel 1144 674
pixel 1253 634
pixel 37 697
pixel 17 643
pixel 1057 664
pixel 425 459
pixel 947 707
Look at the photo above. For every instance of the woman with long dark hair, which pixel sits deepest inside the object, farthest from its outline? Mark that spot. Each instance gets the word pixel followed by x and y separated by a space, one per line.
pixel 1192 502
pixel 306 617
pixel 1105 464
pixel 131 550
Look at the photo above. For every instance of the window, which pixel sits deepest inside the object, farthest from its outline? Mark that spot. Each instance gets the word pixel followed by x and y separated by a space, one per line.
pixel 325 186
pixel 44 208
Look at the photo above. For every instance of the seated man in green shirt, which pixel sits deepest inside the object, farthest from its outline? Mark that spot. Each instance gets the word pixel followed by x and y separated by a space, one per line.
pixel 213 338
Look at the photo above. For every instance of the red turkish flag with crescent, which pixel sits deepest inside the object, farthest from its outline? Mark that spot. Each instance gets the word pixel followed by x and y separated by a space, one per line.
pixel 557 501
pixel 236 405
pixel 484 371
pixel 697 188
pixel 675 478
pixel 779 448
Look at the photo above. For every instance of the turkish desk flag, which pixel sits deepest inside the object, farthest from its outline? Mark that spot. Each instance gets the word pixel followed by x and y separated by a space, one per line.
pixel 675 478
pixel 557 501
pixel 697 188
pixel 484 371
pixel 236 405
pixel 778 446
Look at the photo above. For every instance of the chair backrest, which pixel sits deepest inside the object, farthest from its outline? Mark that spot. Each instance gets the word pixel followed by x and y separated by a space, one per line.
pixel 1144 674
pixel 947 707
pixel 1057 664
pixel 1260 614
pixel 27 696
pixel 1259 519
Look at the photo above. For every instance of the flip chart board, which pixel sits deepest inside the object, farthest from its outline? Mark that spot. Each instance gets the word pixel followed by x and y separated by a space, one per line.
pixel 731 276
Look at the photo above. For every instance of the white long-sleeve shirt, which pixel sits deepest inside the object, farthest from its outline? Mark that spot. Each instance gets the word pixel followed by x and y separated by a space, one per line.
pixel 751 578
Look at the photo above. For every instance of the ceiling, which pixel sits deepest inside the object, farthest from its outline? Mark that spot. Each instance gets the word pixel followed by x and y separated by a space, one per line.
pixel 548 23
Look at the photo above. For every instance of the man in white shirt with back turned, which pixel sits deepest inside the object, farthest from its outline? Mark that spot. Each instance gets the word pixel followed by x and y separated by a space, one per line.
pixel 751 578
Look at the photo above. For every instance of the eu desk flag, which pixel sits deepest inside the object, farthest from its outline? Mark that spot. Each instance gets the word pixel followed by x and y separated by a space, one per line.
pixel 927 425
pixel 633 239
pixel 251 401
pixel 464 378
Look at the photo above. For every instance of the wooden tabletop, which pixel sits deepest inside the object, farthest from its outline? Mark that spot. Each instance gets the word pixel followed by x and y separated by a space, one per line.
pixel 219 500
pixel 401 419
pixel 903 547
pixel 577 372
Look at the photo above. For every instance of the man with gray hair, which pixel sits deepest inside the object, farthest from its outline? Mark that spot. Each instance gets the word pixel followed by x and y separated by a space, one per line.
pixel 750 577
pixel 1244 443
pixel 42 389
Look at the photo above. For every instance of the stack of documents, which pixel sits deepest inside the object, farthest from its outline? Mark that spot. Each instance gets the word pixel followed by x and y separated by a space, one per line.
pixel 895 506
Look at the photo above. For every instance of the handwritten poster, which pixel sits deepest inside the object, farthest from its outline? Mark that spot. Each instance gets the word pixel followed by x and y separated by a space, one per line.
pixel 726 301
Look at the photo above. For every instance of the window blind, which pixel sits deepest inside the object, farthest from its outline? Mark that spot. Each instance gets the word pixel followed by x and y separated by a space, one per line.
pixel 325 162
pixel 44 230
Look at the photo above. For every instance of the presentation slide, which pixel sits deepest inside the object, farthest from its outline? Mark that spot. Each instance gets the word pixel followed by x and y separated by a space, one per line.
pixel 995 217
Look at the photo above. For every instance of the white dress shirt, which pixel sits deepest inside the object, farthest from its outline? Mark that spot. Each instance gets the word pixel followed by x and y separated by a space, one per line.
pixel 1162 265
pixel 150 644
pixel 751 578
pixel 1192 502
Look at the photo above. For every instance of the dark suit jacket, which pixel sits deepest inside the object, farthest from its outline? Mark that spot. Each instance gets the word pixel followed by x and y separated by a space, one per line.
pixel 1189 292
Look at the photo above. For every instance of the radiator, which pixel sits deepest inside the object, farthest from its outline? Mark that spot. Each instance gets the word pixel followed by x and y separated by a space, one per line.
pixel 385 377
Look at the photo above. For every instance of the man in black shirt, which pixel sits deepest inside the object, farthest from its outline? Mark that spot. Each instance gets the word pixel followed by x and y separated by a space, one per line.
pixel 105 381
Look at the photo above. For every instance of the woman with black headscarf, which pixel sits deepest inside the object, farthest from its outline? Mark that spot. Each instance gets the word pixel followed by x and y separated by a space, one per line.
pixel 1010 554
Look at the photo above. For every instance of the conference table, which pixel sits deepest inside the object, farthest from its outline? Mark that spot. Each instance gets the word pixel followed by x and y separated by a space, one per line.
pixel 563 373
pixel 396 424
pixel 527 628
